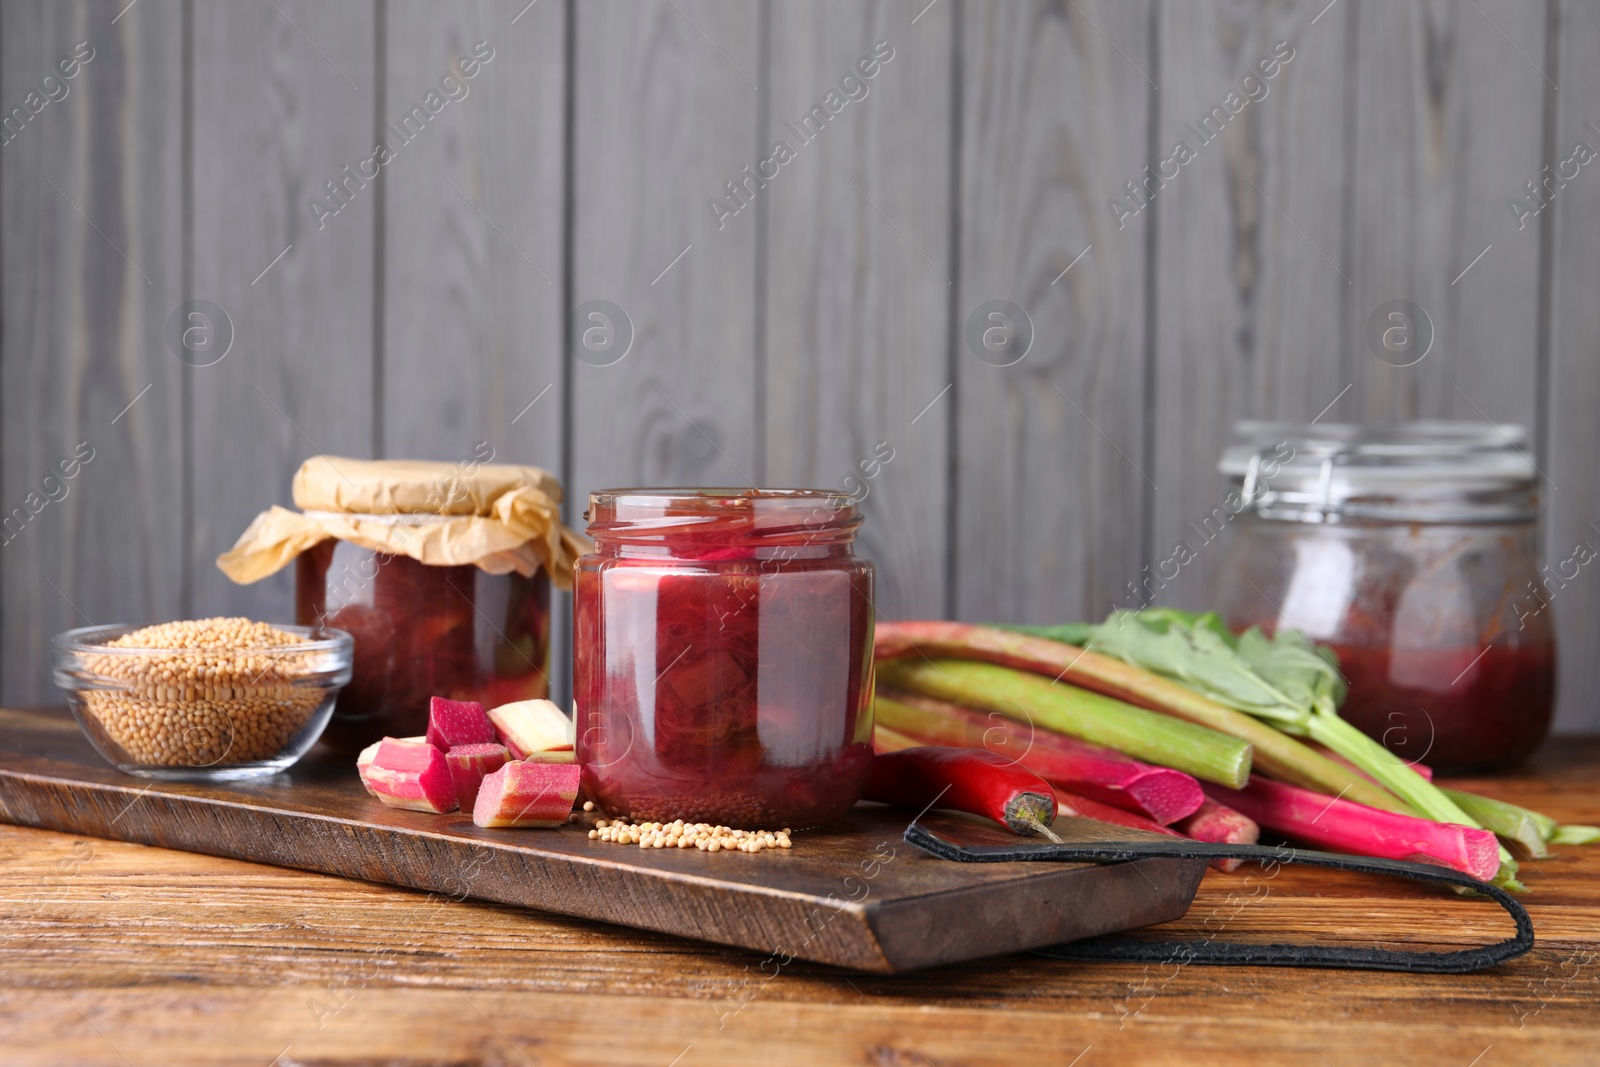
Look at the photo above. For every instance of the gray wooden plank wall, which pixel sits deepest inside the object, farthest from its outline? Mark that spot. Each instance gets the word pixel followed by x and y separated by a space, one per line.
pixel 808 325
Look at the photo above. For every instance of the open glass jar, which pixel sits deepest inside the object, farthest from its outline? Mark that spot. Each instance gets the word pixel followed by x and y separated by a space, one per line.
pixel 723 659
pixel 1412 550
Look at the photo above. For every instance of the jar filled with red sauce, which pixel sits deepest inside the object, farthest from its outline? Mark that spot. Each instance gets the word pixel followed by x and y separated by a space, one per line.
pixel 1412 550
pixel 422 630
pixel 723 656
pixel 441 572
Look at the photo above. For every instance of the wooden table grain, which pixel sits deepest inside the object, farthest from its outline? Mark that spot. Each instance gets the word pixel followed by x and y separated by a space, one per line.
pixel 120 954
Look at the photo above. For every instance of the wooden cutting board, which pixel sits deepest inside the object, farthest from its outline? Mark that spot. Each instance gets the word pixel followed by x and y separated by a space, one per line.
pixel 854 895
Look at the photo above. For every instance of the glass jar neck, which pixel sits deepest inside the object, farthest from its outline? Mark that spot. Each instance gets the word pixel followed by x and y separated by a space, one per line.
pixel 723 524
pixel 1413 472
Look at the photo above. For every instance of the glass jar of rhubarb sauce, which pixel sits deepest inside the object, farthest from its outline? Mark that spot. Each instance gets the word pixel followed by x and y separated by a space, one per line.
pixel 1412 550
pixel 422 630
pixel 723 656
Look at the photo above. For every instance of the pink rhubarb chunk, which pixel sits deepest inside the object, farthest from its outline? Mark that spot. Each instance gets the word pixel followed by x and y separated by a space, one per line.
pixel 530 726
pixel 1345 826
pixel 364 760
pixel 458 722
pixel 469 764
pixel 411 774
pixel 527 794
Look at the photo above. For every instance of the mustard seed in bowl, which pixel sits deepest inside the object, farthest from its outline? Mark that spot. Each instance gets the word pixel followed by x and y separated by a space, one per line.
pixel 202 698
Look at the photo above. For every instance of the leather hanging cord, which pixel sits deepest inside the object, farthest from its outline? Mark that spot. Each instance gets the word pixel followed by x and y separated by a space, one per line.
pixel 1200 950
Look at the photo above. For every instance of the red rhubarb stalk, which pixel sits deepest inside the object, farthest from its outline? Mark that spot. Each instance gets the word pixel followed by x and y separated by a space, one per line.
pixel 1220 823
pixel 963 779
pixel 1083 807
pixel 1276 753
pixel 1345 826
pixel 1069 803
pixel 1100 773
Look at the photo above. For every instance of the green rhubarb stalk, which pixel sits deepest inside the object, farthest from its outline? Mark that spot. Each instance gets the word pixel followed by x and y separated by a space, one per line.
pixel 1574 834
pixel 1545 828
pixel 1146 735
pixel 1528 829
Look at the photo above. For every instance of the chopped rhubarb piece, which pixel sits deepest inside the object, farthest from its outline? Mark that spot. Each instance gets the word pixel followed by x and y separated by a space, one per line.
pixel 469 764
pixel 364 760
pixel 411 774
pixel 458 722
pixel 527 794
pixel 530 726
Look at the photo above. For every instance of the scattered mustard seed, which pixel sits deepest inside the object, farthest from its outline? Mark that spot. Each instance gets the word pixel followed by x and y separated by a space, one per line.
pixel 679 834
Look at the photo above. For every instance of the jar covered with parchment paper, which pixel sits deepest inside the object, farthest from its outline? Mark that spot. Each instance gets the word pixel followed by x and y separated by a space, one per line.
pixel 440 571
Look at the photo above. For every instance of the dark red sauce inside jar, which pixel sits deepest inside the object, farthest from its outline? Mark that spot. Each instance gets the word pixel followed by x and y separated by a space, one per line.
pixel 1456 709
pixel 723 656
pixel 420 631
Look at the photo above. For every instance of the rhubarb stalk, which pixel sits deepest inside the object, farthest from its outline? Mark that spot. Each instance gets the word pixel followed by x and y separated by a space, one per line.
pixel 1275 753
pixel 1099 719
pixel 1345 826
pixel 1527 828
pixel 1284 679
pixel 1099 773
pixel 1083 807
pixel 1220 823
pixel 1069 803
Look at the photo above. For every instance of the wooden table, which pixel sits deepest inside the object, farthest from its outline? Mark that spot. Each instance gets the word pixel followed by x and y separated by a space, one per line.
pixel 119 954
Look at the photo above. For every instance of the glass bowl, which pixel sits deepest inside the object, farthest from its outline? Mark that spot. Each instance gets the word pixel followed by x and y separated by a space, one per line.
pixel 202 714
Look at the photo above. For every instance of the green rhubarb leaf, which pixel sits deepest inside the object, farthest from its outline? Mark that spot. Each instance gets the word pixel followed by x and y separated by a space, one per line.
pixel 1284 679
pixel 1295 667
pixel 1193 651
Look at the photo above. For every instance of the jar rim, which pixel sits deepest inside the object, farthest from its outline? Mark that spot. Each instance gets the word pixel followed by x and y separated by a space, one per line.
pixel 713 496
pixel 756 513
pixel 1424 450
pixel 1426 470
